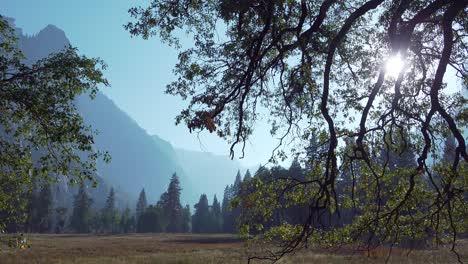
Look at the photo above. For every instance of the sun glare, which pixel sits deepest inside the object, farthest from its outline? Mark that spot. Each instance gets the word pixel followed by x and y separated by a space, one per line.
pixel 394 66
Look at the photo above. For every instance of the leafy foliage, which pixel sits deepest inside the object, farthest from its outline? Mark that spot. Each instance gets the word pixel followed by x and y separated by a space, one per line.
pixel 41 133
pixel 320 70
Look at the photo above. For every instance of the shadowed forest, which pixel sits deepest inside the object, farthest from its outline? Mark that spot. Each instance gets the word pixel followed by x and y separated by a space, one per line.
pixel 352 115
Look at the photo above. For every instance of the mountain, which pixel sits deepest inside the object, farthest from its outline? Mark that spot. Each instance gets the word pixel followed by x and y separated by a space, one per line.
pixel 137 162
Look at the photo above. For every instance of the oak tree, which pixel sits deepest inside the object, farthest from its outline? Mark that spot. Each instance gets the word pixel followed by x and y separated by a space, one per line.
pixel 360 72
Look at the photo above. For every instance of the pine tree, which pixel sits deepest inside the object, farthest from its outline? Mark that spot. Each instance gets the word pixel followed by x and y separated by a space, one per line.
pixel 313 151
pixel 151 221
pixel 96 224
pixel 61 218
pixel 186 219
pixel 172 207
pixel 297 213
pixel 31 196
pixel 81 216
pixel 44 209
pixel 110 213
pixel 127 221
pixel 216 215
pixel 295 170
pixel 141 205
pixel 235 193
pixel 201 218
pixel 237 183
pixel 247 176
pixel 226 212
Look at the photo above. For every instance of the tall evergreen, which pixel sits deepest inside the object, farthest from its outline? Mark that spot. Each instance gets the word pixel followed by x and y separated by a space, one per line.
pixel 235 193
pixel 296 213
pixel 186 219
pixel 247 176
pixel 141 204
pixel 44 209
pixel 313 151
pixel 151 221
pixel 81 215
pixel 127 221
pixel 61 218
pixel 173 207
pixel 201 218
pixel 110 213
pixel 237 183
pixel 226 210
pixel 216 215
pixel 295 170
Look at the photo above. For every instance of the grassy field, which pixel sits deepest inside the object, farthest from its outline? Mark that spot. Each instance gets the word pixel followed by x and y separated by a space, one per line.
pixel 179 248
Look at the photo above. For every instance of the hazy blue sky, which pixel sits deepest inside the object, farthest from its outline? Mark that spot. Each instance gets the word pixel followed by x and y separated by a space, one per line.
pixel 138 70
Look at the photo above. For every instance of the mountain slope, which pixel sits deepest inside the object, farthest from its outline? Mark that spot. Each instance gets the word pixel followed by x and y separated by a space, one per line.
pixel 137 162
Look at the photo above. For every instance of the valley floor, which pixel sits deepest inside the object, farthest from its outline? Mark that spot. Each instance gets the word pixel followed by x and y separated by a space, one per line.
pixel 183 248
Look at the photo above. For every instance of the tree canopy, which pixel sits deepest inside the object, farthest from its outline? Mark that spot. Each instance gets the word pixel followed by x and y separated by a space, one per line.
pixel 41 133
pixel 323 70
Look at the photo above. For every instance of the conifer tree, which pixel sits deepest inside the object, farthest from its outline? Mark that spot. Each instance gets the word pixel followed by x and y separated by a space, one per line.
pixel 61 217
pixel 110 213
pixel 44 209
pixel 31 197
pixel 141 204
pixel 247 176
pixel 186 219
pixel 151 221
pixel 127 221
pixel 80 220
pixel 296 213
pixel 216 216
pixel 226 211
pixel 201 218
pixel 172 207
pixel 295 170
pixel 237 183
pixel 235 193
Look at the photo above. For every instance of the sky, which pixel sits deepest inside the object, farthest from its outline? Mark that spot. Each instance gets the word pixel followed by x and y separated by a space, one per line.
pixel 138 70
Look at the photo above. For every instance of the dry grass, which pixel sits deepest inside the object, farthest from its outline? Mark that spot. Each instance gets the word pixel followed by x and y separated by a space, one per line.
pixel 198 249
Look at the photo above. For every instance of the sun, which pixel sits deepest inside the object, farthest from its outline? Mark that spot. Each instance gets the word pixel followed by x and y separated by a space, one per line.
pixel 394 66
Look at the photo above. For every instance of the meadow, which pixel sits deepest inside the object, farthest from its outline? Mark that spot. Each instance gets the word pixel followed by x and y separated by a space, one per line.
pixel 198 249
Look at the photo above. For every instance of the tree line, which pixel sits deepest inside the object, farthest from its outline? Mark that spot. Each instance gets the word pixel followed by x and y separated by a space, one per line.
pixel 166 215
pixel 231 215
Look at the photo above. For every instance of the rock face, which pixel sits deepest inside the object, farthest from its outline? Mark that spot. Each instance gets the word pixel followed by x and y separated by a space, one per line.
pixel 137 162
pixel 138 159
pixel 49 40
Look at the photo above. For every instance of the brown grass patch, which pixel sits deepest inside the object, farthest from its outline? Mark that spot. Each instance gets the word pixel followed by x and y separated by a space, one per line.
pixel 189 248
